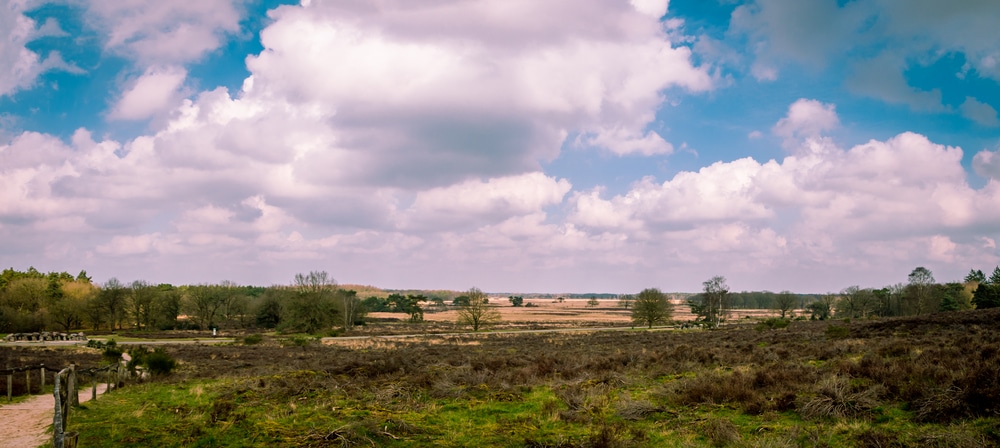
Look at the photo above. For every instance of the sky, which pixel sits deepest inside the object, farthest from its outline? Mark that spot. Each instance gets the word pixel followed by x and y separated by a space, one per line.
pixel 510 145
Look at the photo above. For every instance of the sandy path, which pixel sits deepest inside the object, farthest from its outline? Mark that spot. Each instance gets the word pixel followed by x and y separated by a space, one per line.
pixel 24 424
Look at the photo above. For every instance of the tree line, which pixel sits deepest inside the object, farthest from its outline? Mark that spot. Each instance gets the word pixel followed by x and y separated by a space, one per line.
pixel 921 294
pixel 33 301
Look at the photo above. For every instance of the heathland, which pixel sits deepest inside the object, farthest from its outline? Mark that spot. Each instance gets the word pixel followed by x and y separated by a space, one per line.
pixel 928 380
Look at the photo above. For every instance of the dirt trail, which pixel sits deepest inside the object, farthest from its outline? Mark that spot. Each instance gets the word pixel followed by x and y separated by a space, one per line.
pixel 25 424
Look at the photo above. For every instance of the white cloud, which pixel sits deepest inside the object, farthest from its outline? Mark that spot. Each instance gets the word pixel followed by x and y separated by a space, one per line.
pixel 652 8
pixel 155 92
pixel 987 164
pixel 493 200
pixel 458 81
pixel 404 147
pixel 22 66
pixel 624 142
pixel 979 112
pixel 164 33
pixel 870 210
pixel 806 119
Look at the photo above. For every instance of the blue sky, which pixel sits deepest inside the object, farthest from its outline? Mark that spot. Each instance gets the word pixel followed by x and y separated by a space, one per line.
pixel 561 146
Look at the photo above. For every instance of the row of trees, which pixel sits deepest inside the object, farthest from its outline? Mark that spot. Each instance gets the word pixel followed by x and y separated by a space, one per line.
pixel 35 301
pixel 921 294
pixel 32 301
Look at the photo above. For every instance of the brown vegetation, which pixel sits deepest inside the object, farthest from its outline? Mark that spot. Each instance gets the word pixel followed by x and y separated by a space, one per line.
pixel 940 369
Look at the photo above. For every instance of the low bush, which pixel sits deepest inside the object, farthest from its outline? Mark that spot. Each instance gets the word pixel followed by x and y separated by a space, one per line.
pixel 772 323
pixel 836 398
pixel 253 339
pixel 160 362
pixel 837 332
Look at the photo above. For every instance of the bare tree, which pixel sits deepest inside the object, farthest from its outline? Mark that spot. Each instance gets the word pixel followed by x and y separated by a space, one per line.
pixel 477 312
pixel 714 304
pixel 856 302
pixel 626 300
pixel 785 302
pixel 353 311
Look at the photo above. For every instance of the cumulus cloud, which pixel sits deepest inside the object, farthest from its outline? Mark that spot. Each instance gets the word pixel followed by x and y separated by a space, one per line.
pixel 22 66
pixel 897 201
pixel 493 200
pixel 402 146
pixel 459 79
pixel 806 119
pixel 163 33
pixel 156 91
pixel 652 8
pixel 987 164
pixel 356 125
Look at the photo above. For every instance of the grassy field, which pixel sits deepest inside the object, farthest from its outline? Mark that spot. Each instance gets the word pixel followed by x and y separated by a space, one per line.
pixel 927 381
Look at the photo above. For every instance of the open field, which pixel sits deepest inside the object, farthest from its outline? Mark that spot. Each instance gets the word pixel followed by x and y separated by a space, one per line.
pixel 544 314
pixel 923 381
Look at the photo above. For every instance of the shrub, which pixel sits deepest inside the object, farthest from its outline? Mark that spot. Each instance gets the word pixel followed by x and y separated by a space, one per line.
pixel 720 432
pixel 111 351
pixel 159 362
pixel 773 323
pixel 253 339
pixel 837 332
pixel 835 398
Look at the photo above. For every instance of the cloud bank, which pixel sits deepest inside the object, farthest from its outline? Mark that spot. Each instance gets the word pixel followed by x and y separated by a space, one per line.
pixel 407 145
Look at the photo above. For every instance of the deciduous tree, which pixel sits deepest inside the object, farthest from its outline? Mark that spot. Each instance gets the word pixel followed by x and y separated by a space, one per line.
pixel 712 305
pixel 856 302
pixel 651 307
pixel 313 307
pixel 785 302
pixel 477 313
pixel 626 300
pixel 919 298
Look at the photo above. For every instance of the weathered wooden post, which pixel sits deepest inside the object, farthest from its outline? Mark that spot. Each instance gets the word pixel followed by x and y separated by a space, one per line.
pixel 10 386
pixel 27 381
pixel 74 395
pixel 59 418
pixel 41 370
pixel 93 387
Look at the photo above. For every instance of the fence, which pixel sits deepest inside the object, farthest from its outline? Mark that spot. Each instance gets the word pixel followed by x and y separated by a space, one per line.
pixel 65 392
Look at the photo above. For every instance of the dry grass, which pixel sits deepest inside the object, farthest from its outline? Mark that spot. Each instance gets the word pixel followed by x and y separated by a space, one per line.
pixel 940 372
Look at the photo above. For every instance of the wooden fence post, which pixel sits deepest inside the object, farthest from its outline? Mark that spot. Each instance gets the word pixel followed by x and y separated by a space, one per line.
pixel 10 386
pixel 41 370
pixel 74 395
pixel 93 388
pixel 27 382
pixel 59 418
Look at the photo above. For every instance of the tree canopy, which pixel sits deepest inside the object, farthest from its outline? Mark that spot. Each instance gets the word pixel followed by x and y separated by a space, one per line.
pixel 651 307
